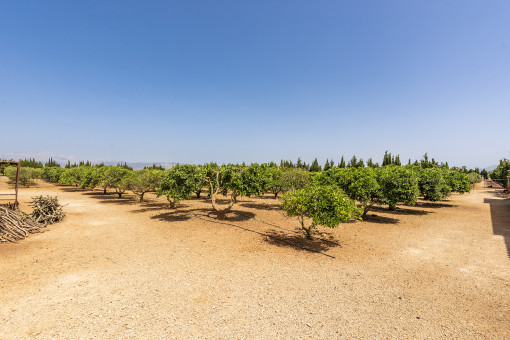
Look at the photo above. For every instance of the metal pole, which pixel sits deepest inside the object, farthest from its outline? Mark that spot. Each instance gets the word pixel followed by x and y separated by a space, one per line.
pixel 16 204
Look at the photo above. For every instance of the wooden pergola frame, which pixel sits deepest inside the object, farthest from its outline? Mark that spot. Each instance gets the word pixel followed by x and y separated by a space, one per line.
pixel 18 164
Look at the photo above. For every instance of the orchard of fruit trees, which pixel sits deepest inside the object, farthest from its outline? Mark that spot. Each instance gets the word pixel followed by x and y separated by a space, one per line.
pixel 316 197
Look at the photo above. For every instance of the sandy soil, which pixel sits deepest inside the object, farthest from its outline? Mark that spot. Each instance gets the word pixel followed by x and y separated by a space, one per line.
pixel 115 268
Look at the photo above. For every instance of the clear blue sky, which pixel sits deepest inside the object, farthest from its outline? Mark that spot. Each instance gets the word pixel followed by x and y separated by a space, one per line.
pixel 233 81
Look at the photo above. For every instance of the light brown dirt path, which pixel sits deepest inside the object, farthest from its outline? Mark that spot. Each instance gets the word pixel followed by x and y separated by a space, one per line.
pixel 119 269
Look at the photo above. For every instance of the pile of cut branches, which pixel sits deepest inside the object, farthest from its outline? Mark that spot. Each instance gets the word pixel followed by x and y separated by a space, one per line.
pixel 16 225
pixel 47 210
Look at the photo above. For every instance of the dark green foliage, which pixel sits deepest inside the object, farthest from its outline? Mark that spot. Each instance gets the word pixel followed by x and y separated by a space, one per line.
pixel 31 163
pixel 327 165
pixel 386 158
pixel 396 161
pixel 51 163
pixel 181 181
pixel 125 166
pixel 342 163
pixel 293 179
pixel 322 205
pixel 70 176
pixel 398 185
pixel 118 178
pixel 247 181
pixel 501 172
pixel 315 167
pixel 236 181
pixel 353 162
pixel 52 173
pixel 114 177
pixel 361 185
pixel 99 178
pixel 458 181
pixel 425 163
pixel 154 167
pixel 301 165
pixel 275 184
pixel 287 164
pixel 433 183
pixel 86 174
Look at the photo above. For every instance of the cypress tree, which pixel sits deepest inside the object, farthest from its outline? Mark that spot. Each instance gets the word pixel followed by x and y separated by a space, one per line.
pixel 327 166
pixel 315 167
pixel 353 162
pixel 342 163
pixel 397 161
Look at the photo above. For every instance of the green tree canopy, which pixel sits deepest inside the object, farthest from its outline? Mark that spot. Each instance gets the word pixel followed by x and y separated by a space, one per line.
pixel 315 205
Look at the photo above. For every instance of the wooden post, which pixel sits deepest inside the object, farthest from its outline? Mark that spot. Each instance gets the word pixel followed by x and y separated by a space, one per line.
pixel 16 203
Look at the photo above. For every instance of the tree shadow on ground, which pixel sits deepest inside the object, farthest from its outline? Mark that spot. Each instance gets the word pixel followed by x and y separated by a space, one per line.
pixel 268 197
pixel 380 219
pixel 173 216
pixel 233 215
pixel 283 239
pixel 119 201
pixel 155 206
pixel 298 241
pixel 434 205
pixel 261 206
pixel 400 211
pixel 113 198
pixel 500 216
pixel 185 214
pixel 75 189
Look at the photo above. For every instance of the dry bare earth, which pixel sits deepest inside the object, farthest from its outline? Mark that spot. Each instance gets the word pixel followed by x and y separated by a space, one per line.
pixel 116 268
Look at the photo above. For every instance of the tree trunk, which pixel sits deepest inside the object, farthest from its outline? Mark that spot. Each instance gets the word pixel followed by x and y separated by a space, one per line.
pixel 367 208
pixel 171 201
pixel 220 212
pixel 198 193
pixel 275 195
pixel 104 190
pixel 141 196
pixel 308 230
pixel 221 215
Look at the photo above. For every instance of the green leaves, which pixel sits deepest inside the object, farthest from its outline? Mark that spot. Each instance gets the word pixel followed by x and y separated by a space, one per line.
pixel 325 205
pixel 433 183
pixel 145 180
pixel 397 185
pixel 181 181
pixel 26 174
pixel 458 182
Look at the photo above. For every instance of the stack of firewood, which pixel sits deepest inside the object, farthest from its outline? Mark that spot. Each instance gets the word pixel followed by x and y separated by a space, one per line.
pixel 47 209
pixel 16 225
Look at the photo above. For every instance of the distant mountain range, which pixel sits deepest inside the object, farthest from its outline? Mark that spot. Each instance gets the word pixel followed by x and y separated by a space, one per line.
pixel 44 156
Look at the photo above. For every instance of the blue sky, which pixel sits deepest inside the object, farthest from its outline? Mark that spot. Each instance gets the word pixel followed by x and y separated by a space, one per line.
pixel 233 81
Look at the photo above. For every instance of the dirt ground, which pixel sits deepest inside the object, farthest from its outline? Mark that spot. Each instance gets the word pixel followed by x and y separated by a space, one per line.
pixel 115 268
